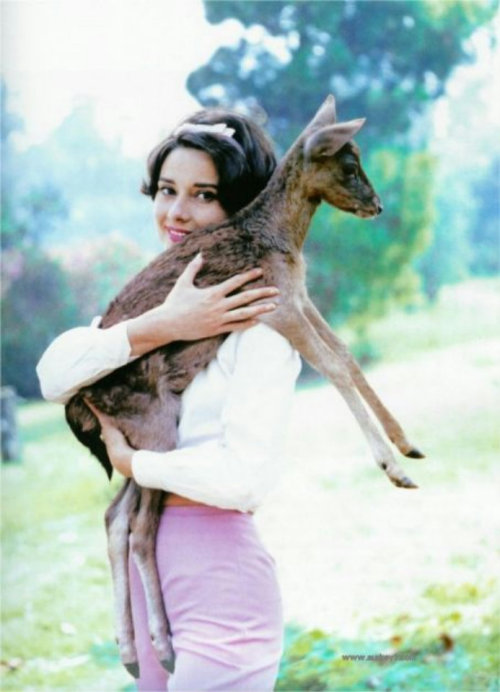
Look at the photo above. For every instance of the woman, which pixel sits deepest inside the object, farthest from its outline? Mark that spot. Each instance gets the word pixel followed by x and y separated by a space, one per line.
pixel 218 581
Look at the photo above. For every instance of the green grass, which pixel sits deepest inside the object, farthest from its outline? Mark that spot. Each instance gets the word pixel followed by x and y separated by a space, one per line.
pixel 463 314
pixel 449 640
pixel 315 661
pixel 56 593
pixel 416 573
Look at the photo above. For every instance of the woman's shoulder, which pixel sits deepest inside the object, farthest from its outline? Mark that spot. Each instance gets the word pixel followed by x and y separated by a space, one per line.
pixel 259 343
pixel 261 336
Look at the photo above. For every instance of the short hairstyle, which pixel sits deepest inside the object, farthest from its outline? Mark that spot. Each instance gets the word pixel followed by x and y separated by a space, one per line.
pixel 244 162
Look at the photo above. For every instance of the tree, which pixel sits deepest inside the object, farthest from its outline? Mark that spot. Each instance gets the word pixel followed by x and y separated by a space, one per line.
pixel 99 270
pixel 382 59
pixel 485 231
pixel 484 240
pixel 100 184
pixel 385 60
pixel 361 268
pixel 37 302
pixel 37 305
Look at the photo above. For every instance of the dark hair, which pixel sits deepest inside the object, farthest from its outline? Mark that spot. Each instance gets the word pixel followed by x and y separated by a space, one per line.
pixel 244 162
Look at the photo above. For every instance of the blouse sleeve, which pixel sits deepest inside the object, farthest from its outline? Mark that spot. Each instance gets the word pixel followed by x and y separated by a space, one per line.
pixel 80 357
pixel 237 470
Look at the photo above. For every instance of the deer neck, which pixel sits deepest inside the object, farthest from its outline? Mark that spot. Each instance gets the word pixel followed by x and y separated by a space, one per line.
pixel 285 204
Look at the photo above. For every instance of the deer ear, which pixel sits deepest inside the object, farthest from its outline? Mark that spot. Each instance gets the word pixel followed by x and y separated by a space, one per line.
pixel 330 139
pixel 326 114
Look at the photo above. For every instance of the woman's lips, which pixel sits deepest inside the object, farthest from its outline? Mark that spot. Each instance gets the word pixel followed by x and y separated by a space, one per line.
pixel 176 235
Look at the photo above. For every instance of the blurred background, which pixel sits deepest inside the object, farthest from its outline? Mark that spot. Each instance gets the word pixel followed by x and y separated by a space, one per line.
pixel 88 88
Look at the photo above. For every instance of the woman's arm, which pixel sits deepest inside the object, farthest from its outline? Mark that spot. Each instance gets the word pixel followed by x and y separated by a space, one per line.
pixel 190 313
pixel 239 469
pixel 83 355
pixel 80 357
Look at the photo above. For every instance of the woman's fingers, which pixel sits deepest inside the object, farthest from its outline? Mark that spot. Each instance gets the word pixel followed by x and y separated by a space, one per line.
pixel 110 434
pixel 250 312
pixel 250 296
pixel 244 307
pixel 101 417
pixel 104 420
pixel 192 268
pixel 94 410
pixel 238 281
pixel 238 326
pixel 230 285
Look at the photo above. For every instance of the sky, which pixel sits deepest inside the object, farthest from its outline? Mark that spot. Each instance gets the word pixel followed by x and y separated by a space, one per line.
pixel 130 58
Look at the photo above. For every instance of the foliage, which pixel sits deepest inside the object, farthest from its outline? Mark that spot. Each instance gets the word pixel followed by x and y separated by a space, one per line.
pixel 100 269
pixel 447 259
pixel 466 235
pixel 463 312
pixel 33 284
pixel 26 219
pixel 314 660
pixel 37 305
pixel 485 232
pixel 359 269
pixel 93 184
pixel 29 208
pixel 466 230
pixel 100 184
pixel 56 605
pixel 383 60
pixel 45 293
pixel 56 591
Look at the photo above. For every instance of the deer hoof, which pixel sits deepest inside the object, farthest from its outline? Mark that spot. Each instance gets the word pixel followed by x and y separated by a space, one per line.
pixel 415 453
pixel 404 482
pixel 169 661
pixel 168 664
pixel 133 669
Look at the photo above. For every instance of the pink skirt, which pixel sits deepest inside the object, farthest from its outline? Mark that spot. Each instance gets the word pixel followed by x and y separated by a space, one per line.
pixel 223 601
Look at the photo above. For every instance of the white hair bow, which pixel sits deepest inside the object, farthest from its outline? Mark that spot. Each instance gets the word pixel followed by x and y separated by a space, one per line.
pixel 216 129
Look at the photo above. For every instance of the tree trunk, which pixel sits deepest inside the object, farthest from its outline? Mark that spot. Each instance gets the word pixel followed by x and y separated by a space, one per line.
pixel 11 447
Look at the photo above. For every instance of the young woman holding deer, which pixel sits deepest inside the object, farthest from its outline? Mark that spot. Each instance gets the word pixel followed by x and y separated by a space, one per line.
pixel 218 581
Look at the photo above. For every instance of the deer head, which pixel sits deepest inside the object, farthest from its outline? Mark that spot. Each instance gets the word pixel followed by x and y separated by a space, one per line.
pixel 333 166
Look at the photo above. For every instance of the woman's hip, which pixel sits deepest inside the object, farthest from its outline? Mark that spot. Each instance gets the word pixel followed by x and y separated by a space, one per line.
pixel 219 584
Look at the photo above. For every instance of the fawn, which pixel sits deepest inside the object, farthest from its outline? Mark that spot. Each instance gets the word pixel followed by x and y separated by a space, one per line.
pixel 143 396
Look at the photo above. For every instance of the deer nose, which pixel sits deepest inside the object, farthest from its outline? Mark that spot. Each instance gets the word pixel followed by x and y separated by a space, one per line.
pixel 379 206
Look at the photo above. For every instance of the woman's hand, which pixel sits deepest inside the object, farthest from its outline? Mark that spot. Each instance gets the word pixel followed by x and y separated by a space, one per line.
pixel 119 451
pixel 191 313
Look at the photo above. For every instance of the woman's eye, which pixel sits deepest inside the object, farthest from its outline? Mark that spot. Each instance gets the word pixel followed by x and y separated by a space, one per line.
pixel 207 196
pixel 166 191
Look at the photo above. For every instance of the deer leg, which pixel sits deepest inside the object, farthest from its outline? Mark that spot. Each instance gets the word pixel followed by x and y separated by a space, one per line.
pixel 391 426
pixel 156 430
pixel 305 338
pixel 142 545
pixel 118 519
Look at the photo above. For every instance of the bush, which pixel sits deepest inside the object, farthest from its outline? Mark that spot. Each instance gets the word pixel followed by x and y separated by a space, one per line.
pixel 38 303
pixel 99 269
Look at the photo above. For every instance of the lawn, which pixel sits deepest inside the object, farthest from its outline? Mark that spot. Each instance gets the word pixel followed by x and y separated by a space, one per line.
pixel 383 588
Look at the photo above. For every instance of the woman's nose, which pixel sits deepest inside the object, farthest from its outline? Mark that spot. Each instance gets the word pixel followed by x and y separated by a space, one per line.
pixel 179 209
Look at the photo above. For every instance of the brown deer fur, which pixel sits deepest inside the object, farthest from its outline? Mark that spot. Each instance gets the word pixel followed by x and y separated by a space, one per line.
pixel 143 397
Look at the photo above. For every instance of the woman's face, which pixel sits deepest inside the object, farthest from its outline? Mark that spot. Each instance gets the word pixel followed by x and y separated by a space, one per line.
pixel 187 197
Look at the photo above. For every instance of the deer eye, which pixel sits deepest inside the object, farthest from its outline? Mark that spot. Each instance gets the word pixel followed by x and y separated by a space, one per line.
pixel 350 170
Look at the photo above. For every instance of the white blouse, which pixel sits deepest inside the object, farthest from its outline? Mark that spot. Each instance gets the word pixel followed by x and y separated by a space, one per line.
pixel 233 414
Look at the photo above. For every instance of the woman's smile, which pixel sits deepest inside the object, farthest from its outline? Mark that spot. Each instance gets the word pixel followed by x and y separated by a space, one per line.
pixel 176 235
pixel 188 195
